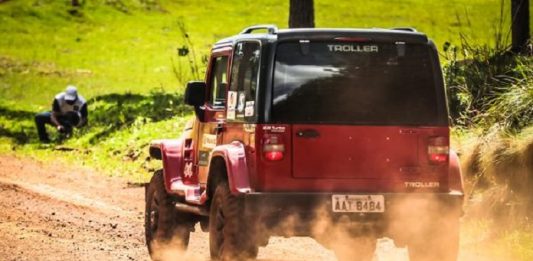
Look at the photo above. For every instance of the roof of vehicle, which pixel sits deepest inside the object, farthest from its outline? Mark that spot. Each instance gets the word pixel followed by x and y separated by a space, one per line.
pixel 408 35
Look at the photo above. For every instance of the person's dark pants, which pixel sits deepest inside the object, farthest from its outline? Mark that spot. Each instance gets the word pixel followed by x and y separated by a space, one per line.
pixel 67 121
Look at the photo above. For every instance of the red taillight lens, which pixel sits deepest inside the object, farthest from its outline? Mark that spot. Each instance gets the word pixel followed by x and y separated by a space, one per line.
pixel 272 150
pixel 274 155
pixel 438 150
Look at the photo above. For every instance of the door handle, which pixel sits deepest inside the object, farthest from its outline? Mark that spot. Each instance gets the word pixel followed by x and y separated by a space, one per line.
pixel 307 133
pixel 219 128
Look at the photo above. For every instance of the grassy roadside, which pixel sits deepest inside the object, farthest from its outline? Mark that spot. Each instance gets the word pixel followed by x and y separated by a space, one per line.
pixel 125 154
pixel 116 140
pixel 498 170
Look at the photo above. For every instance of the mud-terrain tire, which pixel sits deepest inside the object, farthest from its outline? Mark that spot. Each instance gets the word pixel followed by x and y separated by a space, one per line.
pixel 165 228
pixel 230 238
pixel 438 242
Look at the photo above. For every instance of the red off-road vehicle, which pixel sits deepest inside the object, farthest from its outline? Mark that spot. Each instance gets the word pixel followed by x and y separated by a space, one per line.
pixel 313 132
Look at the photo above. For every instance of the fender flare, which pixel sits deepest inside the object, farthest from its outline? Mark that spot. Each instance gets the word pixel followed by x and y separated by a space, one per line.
pixel 171 153
pixel 455 176
pixel 234 156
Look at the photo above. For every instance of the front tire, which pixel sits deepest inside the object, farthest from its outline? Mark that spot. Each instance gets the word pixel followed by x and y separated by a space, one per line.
pixel 229 235
pixel 165 228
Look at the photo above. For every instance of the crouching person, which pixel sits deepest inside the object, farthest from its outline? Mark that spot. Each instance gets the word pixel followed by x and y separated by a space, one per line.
pixel 68 110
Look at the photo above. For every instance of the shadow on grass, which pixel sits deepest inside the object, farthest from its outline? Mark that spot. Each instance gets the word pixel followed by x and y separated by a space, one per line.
pixel 107 114
pixel 16 114
pixel 19 137
pixel 14 127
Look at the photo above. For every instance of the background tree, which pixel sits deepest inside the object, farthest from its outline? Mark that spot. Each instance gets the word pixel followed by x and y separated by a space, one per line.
pixel 301 14
pixel 520 25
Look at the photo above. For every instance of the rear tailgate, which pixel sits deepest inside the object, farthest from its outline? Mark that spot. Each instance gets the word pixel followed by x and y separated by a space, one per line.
pixel 352 151
pixel 356 158
pixel 364 152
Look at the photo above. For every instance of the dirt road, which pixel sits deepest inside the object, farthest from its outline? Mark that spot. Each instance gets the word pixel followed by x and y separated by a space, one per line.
pixel 53 211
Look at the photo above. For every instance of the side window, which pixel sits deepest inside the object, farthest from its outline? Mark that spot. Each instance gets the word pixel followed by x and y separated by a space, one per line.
pixel 219 82
pixel 244 81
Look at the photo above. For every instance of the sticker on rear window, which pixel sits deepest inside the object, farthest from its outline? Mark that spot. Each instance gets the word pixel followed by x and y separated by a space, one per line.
pixel 353 48
pixel 240 105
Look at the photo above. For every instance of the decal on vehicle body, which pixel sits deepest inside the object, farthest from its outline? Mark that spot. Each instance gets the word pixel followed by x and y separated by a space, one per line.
pixel 203 158
pixel 278 129
pixel 418 184
pixel 209 141
pixel 353 48
pixel 249 128
pixel 187 171
pixel 230 115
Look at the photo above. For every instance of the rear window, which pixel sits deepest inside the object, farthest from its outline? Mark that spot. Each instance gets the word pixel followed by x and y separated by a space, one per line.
pixel 356 83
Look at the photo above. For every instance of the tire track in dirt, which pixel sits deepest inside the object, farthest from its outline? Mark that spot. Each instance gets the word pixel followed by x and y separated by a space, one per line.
pixel 51 211
pixel 37 227
pixel 42 222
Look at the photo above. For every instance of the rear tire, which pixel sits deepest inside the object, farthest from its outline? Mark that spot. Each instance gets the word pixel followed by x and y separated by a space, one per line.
pixel 165 228
pixel 438 242
pixel 229 235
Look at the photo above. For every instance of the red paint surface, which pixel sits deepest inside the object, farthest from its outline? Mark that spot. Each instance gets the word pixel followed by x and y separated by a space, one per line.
pixel 172 156
pixel 456 182
pixel 350 152
pixel 237 170
pixel 368 162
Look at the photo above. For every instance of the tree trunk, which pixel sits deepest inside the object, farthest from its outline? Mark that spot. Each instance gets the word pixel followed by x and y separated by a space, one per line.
pixel 520 25
pixel 301 14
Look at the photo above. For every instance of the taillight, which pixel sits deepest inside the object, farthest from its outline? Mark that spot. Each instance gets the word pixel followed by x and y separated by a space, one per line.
pixel 273 150
pixel 438 150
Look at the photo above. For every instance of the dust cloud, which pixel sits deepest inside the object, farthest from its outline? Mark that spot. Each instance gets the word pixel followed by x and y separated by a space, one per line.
pixel 172 250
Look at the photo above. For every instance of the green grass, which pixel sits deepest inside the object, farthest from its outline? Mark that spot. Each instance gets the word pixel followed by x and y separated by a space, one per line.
pixel 490 87
pixel 104 49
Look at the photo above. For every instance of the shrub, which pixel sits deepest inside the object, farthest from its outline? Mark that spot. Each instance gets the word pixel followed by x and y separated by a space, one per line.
pixel 489 86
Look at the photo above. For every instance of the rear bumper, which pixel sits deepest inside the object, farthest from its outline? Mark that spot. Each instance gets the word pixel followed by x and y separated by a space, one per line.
pixel 302 209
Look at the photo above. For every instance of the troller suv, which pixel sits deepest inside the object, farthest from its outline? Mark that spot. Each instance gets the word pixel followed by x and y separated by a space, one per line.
pixel 337 134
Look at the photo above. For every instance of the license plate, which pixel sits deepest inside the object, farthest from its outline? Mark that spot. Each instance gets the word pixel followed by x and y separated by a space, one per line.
pixel 358 203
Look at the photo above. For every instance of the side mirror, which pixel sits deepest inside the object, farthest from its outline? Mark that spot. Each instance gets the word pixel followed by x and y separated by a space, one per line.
pixel 195 93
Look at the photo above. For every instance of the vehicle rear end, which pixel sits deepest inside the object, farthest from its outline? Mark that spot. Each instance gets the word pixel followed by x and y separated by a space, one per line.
pixel 356 128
